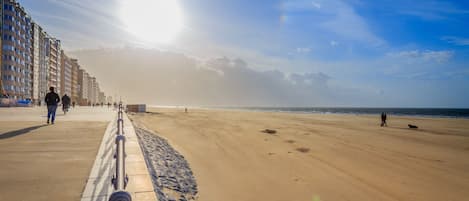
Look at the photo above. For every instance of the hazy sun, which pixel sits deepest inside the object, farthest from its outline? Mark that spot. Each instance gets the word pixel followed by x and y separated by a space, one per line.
pixel 152 20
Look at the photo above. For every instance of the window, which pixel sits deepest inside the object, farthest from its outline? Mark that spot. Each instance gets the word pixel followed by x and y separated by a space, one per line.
pixel 8 47
pixel 8 7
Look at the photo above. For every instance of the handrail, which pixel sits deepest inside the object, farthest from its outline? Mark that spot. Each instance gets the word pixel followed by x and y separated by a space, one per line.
pixel 120 178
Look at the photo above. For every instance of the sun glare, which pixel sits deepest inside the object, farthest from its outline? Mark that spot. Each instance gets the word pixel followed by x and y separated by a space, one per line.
pixel 152 20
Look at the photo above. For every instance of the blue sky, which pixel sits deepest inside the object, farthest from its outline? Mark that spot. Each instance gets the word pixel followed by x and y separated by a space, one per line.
pixel 403 53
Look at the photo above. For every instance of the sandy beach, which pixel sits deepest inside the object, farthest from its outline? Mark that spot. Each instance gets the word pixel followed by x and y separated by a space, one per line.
pixel 317 156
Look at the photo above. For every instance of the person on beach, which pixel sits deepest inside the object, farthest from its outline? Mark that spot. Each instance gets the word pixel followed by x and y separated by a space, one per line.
pixel 52 99
pixel 383 119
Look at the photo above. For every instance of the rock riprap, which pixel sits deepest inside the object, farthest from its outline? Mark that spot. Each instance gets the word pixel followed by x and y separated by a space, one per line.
pixel 171 175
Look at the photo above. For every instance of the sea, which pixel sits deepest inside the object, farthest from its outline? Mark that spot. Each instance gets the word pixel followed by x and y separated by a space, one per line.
pixel 422 112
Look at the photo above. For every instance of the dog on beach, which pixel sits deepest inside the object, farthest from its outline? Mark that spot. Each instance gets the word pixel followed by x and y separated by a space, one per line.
pixel 412 126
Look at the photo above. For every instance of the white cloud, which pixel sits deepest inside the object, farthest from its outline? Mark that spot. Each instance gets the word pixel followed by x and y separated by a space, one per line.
pixel 317 5
pixel 456 40
pixel 429 10
pixel 96 23
pixel 303 50
pixel 169 78
pixel 424 56
pixel 336 17
pixel 438 56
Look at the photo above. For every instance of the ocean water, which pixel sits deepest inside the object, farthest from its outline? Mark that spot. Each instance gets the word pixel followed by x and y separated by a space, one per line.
pixel 428 112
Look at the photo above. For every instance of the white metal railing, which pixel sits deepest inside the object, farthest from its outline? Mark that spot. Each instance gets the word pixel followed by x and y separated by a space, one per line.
pixel 120 178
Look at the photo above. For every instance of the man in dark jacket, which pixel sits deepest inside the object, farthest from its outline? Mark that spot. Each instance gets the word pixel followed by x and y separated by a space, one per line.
pixel 52 99
pixel 65 102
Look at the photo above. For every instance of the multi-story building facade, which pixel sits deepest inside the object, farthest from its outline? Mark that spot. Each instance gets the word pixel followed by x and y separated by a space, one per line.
pixel 96 91
pixel 92 90
pixel 2 90
pixel 40 64
pixel 53 53
pixel 75 86
pixel 31 61
pixel 83 82
pixel 102 97
pixel 35 56
pixel 66 74
pixel 16 63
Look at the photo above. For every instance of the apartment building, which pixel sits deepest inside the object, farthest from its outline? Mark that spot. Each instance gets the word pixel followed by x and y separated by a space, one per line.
pixel 16 63
pixel 91 90
pixel 40 64
pixel 75 86
pixel 66 74
pixel 83 82
pixel 32 61
pixel 53 53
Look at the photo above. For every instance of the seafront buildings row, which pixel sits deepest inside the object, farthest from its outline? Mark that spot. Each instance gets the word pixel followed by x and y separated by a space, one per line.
pixel 32 61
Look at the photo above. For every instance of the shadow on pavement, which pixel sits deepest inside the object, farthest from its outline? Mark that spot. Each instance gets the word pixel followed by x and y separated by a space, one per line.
pixel 19 132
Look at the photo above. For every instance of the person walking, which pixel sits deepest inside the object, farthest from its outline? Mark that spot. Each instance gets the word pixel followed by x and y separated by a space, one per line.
pixel 52 99
pixel 65 103
pixel 383 119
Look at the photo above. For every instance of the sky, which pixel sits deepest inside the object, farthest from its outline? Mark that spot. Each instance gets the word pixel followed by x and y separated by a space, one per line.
pixel 354 53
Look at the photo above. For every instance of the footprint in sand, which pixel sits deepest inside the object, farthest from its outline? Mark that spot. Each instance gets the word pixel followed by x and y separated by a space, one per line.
pixel 303 149
pixel 290 141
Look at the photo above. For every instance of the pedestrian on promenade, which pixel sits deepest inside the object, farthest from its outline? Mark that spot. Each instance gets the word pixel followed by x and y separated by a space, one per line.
pixel 65 103
pixel 52 99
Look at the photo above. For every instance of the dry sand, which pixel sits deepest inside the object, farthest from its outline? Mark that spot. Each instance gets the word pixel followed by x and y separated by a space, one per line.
pixel 318 157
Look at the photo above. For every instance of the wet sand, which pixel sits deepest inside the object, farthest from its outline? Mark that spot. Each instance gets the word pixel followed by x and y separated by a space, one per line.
pixel 316 156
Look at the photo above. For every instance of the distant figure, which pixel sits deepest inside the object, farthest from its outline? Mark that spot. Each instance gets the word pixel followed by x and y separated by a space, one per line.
pixel 52 99
pixel 412 126
pixel 65 103
pixel 383 119
pixel 185 110
pixel 73 104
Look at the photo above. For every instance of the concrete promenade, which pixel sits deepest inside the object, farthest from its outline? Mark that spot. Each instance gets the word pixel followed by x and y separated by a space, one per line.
pixel 139 184
pixel 55 162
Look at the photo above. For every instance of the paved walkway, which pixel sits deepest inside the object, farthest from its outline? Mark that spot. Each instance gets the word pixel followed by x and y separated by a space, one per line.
pixel 40 114
pixel 53 162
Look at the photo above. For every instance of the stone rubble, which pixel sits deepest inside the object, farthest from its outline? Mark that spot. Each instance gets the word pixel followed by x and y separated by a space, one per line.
pixel 172 177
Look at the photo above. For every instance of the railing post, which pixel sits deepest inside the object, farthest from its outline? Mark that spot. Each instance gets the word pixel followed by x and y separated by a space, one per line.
pixel 120 178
